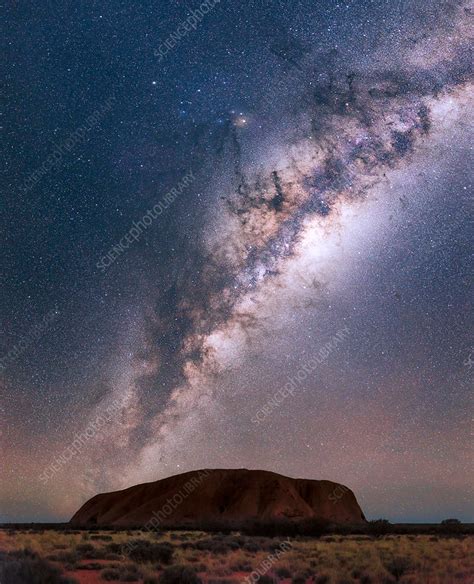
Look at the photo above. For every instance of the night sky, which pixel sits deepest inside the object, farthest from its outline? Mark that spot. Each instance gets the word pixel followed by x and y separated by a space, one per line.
pixel 197 198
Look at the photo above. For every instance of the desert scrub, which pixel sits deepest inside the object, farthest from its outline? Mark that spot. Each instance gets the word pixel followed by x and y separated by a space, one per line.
pixel 26 567
pixel 121 573
pixel 143 551
pixel 398 566
pixel 110 574
pixel 179 575
pixel 68 558
pixel 360 559
pixel 88 551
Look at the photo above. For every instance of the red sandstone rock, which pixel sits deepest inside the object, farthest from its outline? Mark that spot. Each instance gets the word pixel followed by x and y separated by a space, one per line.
pixel 235 495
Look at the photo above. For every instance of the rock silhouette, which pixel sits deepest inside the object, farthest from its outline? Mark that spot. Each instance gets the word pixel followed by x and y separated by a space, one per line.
pixel 234 496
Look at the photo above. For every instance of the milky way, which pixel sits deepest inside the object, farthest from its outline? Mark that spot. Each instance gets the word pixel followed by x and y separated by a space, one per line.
pixel 332 194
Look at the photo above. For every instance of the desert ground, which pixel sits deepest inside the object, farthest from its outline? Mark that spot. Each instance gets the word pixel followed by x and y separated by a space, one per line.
pixel 48 556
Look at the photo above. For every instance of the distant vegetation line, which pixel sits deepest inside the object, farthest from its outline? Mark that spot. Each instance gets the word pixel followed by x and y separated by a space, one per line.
pixel 311 528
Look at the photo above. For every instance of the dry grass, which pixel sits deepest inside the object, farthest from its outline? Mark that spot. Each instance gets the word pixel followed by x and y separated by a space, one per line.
pixel 410 559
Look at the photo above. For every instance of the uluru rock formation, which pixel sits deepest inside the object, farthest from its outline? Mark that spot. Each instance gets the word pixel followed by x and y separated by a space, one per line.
pixel 234 496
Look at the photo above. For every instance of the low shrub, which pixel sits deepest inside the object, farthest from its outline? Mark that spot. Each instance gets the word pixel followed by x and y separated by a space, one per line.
pixel 283 572
pixel 113 548
pixel 265 579
pixel 398 566
pixel 379 527
pixel 67 557
pixel 142 551
pixel 110 574
pixel 85 549
pixel 322 579
pixel 241 566
pixel 215 545
pixel 179 575
pixel 89 566
pixel 26 567
pixel 121 573
pixel 223 544
pixel 126 576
